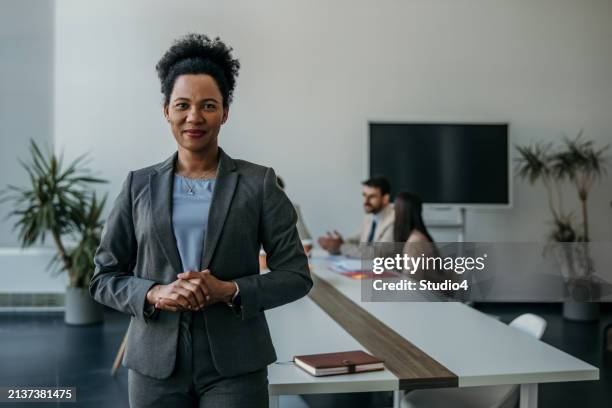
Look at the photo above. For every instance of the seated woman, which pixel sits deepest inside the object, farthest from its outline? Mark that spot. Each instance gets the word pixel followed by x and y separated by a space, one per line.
pixel 409 226
pixel 410 229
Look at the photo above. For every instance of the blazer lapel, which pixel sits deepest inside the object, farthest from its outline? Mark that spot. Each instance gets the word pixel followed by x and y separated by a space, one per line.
pixel 160 188
pixel 386 222
pixel 227 178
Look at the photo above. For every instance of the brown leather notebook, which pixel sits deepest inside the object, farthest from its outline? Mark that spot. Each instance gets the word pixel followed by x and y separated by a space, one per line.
pixel 345 362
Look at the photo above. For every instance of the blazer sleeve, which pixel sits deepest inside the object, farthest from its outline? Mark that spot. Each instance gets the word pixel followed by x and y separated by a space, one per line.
pixel 289 276
pixel 113 283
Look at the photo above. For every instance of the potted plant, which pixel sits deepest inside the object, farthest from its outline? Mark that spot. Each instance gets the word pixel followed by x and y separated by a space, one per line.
pixel 579 163
pixel 61 203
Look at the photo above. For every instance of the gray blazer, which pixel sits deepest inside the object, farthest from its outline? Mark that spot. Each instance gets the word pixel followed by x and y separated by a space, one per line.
pixel 138 249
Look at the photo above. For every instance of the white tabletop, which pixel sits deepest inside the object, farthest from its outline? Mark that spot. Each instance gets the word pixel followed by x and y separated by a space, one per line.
pixel 302 327
pixel 480 350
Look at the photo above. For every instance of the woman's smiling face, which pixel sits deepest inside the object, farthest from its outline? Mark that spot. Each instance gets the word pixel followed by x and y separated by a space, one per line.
pixel 196 112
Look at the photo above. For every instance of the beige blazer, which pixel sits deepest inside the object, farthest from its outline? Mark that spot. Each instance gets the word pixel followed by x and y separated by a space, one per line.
pixel 383 232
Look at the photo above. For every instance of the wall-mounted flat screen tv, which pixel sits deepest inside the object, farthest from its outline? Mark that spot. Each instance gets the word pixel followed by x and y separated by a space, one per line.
pixel 465 164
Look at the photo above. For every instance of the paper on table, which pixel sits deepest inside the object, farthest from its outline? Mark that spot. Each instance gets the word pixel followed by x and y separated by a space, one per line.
pixel 350 265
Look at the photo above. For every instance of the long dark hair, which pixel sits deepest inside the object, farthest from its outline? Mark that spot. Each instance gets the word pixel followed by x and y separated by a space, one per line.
pixel 408 217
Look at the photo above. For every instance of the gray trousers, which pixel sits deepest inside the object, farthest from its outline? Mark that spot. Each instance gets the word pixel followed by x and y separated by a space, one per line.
pixel 195 382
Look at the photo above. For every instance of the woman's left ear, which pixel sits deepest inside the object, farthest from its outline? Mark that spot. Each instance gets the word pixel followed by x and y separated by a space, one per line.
pixel 225 115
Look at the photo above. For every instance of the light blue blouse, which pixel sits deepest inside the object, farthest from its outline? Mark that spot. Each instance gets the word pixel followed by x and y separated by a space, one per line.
pixel 191 200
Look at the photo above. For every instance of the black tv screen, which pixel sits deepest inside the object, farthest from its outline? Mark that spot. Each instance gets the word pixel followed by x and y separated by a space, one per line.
pixel 443 163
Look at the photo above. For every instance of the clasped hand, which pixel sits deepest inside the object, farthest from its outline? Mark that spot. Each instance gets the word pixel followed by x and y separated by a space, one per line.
pixel 191 291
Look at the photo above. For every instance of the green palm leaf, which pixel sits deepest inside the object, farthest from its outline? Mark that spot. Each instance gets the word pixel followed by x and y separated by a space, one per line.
pixel 59 201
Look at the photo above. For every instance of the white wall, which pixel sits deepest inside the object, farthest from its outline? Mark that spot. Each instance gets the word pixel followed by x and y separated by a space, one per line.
pixel 26 91
pixel 315 72
pixel 25 271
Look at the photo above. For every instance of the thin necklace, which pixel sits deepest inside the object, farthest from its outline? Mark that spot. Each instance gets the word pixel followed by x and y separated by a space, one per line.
pixel 190 187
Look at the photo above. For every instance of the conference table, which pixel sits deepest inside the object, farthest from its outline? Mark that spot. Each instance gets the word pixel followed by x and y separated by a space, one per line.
pixel 423 344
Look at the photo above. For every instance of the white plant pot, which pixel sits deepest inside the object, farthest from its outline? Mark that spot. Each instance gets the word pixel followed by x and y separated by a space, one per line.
pixel 80 308
pixel 581 311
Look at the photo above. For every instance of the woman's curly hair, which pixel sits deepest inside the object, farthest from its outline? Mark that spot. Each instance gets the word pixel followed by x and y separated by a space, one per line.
pixel 198 54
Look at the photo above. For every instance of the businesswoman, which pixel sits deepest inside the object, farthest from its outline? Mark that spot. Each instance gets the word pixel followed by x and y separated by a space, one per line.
pixel 409 229
pixel 408 225
pixel 179 251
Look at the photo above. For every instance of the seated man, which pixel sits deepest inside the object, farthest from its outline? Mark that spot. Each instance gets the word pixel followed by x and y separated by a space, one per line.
pixel 377 224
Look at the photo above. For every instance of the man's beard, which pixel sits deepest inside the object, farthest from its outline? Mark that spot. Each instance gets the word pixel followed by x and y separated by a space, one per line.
pixel 371 209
